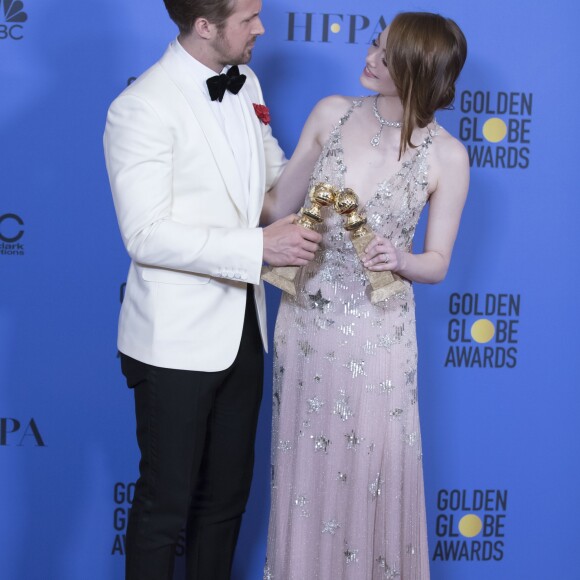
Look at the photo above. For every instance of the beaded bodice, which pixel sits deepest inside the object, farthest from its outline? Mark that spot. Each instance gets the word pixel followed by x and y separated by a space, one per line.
pixel 392 210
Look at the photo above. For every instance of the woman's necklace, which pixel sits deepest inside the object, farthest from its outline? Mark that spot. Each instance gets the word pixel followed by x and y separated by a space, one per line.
pixel 396 124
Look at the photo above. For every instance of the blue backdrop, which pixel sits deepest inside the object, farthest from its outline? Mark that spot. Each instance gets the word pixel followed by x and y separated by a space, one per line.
pixel 498 387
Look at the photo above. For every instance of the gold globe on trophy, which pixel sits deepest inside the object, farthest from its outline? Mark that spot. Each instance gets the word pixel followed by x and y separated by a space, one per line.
pixel 383 284
pixel 283 277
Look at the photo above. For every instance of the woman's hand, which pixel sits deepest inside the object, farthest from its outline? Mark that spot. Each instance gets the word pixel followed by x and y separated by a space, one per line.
pixel 381 255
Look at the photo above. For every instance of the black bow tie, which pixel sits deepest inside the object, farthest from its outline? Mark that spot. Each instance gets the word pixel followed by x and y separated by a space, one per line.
pixel 233 81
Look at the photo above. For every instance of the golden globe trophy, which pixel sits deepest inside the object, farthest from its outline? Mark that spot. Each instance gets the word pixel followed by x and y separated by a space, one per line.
pixel 383 284
pixel 283 277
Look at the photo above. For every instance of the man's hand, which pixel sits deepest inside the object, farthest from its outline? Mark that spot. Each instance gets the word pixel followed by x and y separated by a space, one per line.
pixel 287 244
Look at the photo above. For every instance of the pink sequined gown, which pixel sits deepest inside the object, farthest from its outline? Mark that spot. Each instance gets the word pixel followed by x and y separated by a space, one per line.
pixel 347 480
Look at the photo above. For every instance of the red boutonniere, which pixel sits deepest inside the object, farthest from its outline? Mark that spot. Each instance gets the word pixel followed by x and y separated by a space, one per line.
pixel 263 113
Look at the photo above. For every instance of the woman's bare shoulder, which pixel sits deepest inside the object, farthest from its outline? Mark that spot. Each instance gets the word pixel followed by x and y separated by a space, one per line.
pixel 449 164
pixel 448 150
pixel 332 108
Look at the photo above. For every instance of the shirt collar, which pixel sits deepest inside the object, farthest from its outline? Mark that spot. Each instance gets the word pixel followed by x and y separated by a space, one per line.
pixel 198 70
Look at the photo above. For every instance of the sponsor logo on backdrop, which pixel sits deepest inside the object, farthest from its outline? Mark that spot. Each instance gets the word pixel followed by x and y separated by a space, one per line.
pixel 334 27
pixel 470 525
pixel 12 16
pixel 123 494
pixel 496 128
pixel 11 232
pixel 483 330
pixel 20 433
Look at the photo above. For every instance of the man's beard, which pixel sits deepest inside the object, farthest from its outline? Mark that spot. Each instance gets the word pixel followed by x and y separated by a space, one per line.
pixel 223 48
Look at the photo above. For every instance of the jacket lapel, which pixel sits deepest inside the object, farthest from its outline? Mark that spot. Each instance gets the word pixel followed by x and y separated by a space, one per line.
pixel 216 140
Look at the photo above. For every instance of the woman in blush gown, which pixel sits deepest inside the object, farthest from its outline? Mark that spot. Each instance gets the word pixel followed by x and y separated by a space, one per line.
pixel 347 481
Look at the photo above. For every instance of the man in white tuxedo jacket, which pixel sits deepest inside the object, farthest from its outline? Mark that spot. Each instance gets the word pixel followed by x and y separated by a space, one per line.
pixel 190 156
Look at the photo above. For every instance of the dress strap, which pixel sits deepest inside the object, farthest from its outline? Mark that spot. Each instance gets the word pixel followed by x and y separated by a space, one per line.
pixel 431 134
pixel 354 105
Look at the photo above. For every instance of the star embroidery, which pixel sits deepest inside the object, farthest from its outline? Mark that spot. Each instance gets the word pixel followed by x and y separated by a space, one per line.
pixel 314 405
pixel 342 408
pixel 317 301
pixel 305 348
pixel 330 527
pixel 347 329
pixel 285 445
pixel 352 440
pixel 301 502
pixel 321 443
pixel 387 341
pixel 369 347
pixel 396 413
pixel 356 367
pixel 324 323
pixel 386 386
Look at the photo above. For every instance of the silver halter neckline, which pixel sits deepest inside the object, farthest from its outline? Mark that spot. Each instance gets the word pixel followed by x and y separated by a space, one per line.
pixel 384 123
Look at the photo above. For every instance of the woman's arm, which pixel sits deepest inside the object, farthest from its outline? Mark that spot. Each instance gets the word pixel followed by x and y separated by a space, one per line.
pixel 445 208
pixel 287 195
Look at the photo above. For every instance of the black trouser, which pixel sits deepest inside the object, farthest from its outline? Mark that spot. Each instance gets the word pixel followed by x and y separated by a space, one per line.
pixel 196 434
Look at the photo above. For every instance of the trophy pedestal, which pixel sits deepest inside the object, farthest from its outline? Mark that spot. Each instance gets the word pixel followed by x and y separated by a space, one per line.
pixel 384 284
pixel 282 277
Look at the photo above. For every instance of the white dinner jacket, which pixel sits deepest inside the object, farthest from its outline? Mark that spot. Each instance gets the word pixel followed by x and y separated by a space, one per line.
pixel 190 229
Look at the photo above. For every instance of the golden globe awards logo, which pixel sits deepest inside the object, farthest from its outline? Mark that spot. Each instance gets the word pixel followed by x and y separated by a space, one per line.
pixel 483 330
pixel 332 27
pixel 496 128
pixel 123 497
pixel 14 16
pixel 470 525
pixel 11 232
pixel 123 494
